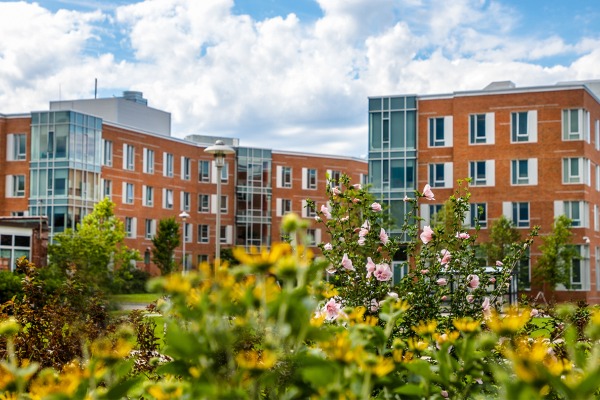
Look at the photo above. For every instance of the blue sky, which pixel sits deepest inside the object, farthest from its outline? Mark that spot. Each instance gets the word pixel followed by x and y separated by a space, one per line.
pixel 286 74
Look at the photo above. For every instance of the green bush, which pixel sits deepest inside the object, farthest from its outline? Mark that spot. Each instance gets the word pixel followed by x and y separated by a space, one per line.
pixel 10 285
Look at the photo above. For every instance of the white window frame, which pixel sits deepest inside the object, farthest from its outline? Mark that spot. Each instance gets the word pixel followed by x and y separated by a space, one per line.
pixel 566 207
pixel 224 172
pixel 283 176
pixel 107 152
pixel 149 228
pixel 148 196
pixel 168 161
pixel 308 181
pixel 583 124
pixel 313 236
pixel 168 199
pixel 148 161
pixel 128 157
pixel 185 201
pixel 12 186
pixel 204 175
pixel 213 204
pixel 569 176
pixel 523 178
pixel 203 233
pixel 283 206
pixel 512 211
pixel 131 227
pixel 128 194
pixel 13 147
pixel 490 172
pixel 202 209
pixel 306 212
pixel 488 136
pixel 447 178
pixel 107 189
pixel 473 215
pixel 446 136
pixel 227 238
pixel 530 134
pixel 186 168
pixel 188 231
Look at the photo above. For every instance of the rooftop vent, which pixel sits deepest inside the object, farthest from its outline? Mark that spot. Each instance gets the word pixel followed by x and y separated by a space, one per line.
pixel 136 97
pixel 500 85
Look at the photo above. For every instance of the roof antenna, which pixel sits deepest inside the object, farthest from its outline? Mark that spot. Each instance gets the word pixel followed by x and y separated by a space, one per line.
pixel 95 87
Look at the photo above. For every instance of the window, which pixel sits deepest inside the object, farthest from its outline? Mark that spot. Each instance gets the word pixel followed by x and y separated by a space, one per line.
pixel 167 164
pixel 334 177
pixel 226 234
pixel 15 185
pixel 107 188
pixel 186 168
pixel 107 153
pixel 224 172
pixel 148 193
pixel 127 193
pixel 575 124
pixel 148 161
pixel 580 273
pixel 223 204
pixel 128 157
pixel 214 204
pixel 150 228
pixel 203 171
pixel 523 172
pixel 307 212
pixel 517 212
pixel 284 177
pixel 313 236
pixel 203 234
pixel 203 203
pixel 576 170
pixel 130 227
pixel 597 135
pixel 284 206
pixel 187 232
pixel 577 211
pixel 482 173
pixel 523 126
pixel 478 215
pixel 481 128
pixel 440 175
pixel 168 199
pixel 440 132
pixel 596 218
pixel 202 259
pixel 16 147
pixel 309 178
pixel 524 272
pixel 186 201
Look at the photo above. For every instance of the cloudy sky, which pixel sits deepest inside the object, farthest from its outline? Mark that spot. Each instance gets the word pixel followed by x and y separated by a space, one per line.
pixel 286 74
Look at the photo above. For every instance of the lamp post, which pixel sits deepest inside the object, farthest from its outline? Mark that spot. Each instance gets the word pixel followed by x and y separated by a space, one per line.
pixel 184 216
pixel 219 150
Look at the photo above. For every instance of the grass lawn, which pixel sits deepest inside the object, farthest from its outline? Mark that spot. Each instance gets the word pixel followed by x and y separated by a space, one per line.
pixel 135 298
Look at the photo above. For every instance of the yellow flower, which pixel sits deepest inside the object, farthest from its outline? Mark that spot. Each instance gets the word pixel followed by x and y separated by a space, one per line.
pixel 466 325
pixel 446 337
pixel 165 392
pixel 176 283
pixel 340 348
pixel 380 366
pixel 254 359
pixel 400 356
pixel 417 344
pixel 317 319
pixel 330 291
pixel 425 328
pixel 269 289
pixel 261 260
pixel 5 377
pixel 512 322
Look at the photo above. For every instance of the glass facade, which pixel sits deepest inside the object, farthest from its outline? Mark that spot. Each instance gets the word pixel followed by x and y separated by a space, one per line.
pixel 393 153
pixel 66 158
pixel 253 197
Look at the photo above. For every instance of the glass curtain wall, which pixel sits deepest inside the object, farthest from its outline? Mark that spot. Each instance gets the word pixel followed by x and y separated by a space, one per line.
pixel 393 153
pixel 65 167
pixel 253 197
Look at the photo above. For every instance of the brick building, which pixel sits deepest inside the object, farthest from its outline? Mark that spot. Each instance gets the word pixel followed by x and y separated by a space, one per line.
pixel 60 162
pixel 532 153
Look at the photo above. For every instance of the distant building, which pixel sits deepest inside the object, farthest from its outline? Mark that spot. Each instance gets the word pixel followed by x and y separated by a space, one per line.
pixel 532 154
pixel 59 163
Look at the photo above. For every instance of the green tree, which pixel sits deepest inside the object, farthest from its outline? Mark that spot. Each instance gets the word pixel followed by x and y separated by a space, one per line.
pixel 165 242
pixel 503 235
pixel 556 262
pixel 95 248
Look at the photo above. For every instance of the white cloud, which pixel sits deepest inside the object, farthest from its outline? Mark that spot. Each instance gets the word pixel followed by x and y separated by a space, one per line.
pixel 280 82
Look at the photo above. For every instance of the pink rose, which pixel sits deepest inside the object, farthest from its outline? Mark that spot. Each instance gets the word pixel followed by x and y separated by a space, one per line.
pixel 383 272
pixel 424 271
pixel 492 279
pixel 473 281
pixel 332 310
pixel 534 312
pixel 325 211
pixel 374 305
pixel 361 241
pixel 357 186
pixel 470 298
pixel 426 235
pixel 356 201
pixel 336 191
pixel 393 295
pixel 370 267
pixel 428 193
pixel 328 246
pixel 485 307
pixel 317 218
pixel 347 263
pixel 444 298
pixel 442 281
pixel 363 232
pixel 405 199
pixel 376 207
pixel 444 394
pixel 383 236
pixel 463 235
pixel 499 263
pixel 446 257
pixel 344 219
